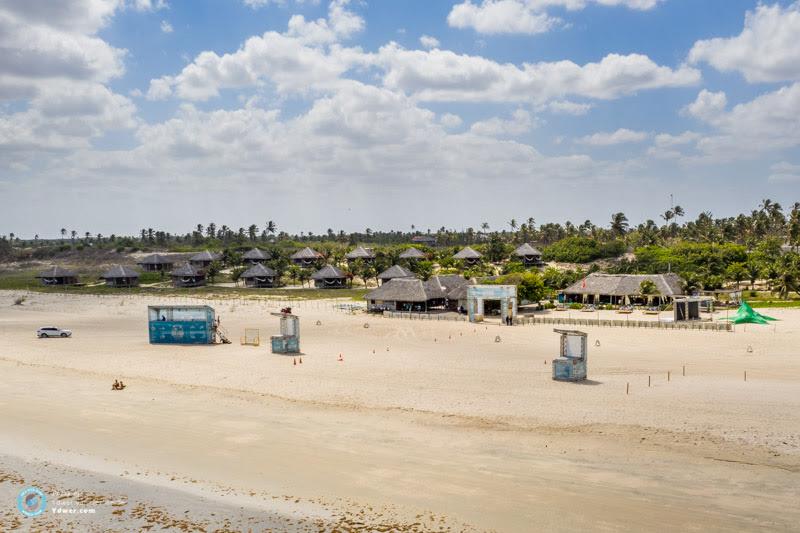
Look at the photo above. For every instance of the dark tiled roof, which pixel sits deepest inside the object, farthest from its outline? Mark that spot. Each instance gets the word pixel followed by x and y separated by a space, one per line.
pixel 328 272
pixel 259 271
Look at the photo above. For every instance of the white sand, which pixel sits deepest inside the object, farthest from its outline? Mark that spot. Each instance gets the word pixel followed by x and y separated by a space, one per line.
pixel 445 424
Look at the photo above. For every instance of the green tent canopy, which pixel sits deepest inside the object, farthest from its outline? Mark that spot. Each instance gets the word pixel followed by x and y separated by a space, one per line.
pixel 747 315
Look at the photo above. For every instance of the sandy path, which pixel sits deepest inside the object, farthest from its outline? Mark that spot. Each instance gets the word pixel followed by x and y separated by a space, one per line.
pixel 461 427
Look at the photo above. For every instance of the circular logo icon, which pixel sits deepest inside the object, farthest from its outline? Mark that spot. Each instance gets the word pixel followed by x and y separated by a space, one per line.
pixel 177 332
pixel 31 502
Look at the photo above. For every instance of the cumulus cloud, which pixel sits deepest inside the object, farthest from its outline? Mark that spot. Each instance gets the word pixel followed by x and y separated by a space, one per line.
pixel 707 105
pixel 166 27
pixel 148 5
pixel 450 120
pixel 767 49
pixel 666 140
pixel 442 75
pixel 429 42
pixel 519 123
pixel 621 136
pixel 566 107
pixel 784 172
pixel 524 16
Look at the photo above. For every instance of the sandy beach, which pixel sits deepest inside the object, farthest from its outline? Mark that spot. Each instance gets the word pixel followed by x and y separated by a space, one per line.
pixel 424 425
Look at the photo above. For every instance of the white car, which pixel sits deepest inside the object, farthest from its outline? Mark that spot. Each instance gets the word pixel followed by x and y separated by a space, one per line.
pixel 52 331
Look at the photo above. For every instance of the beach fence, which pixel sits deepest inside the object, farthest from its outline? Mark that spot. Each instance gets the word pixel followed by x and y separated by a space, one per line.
pixel 425 316
pixel 610 323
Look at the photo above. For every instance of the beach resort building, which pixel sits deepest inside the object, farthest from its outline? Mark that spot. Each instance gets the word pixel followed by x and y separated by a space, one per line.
pixel 306 257
pixel 427 240
pixel 412 294
pixel 412 254
pixel 57 275
pixel 204 259
pixel 121 276
pixel 622 289
pixel 529 255
pixel 255 256
pixel 394 272
pixel 155 263
pixel 329 277
pixel 259 276
pixel 188 275
pixel 468 256
pixel 361 253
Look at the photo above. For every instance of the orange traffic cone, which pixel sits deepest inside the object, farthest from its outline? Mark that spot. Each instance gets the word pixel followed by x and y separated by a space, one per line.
pixel 301 360
pixel 341 359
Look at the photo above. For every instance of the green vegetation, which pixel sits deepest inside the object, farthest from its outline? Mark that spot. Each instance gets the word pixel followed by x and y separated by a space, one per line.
pixel 582 250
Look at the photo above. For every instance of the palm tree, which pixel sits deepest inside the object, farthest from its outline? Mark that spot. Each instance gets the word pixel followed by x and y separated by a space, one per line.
pixel 63 233
pixel 271 227
pixel 252 232
pixel 619 224
pixel 513 224
pixel 211 230
pixel 72 235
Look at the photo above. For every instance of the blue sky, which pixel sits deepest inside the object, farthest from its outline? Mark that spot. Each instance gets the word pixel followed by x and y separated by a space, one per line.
pixel 354 114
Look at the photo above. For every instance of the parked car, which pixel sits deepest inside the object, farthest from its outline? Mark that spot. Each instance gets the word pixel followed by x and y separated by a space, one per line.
pixel 52 331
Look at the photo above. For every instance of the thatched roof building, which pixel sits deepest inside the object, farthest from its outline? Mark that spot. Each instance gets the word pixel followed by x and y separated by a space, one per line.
pixel 394 272
pixel 204 259
pixel 468 256
pixel 259 276
pixel 361 253
pixel 529 255
pixel 412 294
pixel 57 275
pixel 412 253
pixel 329 277
pixel 156 263
pixel 255 256
pixel 188 275
pixel 121 276
pixel 305 257
pixel 623 288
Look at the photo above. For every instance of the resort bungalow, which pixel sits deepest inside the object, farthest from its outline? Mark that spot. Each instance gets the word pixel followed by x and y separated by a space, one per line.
pixel 360 253
pixel 305 257
pixel 624 289
pixel 259 276
pixel 188 276
pixel 58 276
pixel 468 256
pixel 255 256
pixel 411 294
pixel 329 277
pixel 394 272
pixel 427 240
pixel 121 276
pixel 412 254
pixel 155 263
pixel 529 255
pixel 204 259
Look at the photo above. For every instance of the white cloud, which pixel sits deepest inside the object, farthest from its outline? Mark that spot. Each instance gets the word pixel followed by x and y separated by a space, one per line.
pixel 665 140
pixel 520 122
pixel 442 75
pixel 429 42
pixel 566 107
pixel 767 49
pixel 784 172
pixel 621 136
pixel 148 5
pixel 166 27
pixel 524 16
pixel 450 121
pixel 707 105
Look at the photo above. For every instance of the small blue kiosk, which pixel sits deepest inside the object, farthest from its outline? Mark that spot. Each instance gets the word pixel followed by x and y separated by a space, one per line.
pixel 289 339
pixel 182 324
pixel 571 365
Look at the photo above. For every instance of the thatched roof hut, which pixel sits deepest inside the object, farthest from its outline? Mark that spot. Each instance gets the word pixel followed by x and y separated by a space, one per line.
pixel 155 263
pixel 204 259
pixel 329 277
pixel 468 256
pixel 412 253
pixel 412 294
pixel 188 275
pixel 529 255
pixel 57 275
pixel 394 272
pixel 360 253
pixel 259 276
pixel 255 256
pixel 305 257
pixel 121 276
pixel 623 288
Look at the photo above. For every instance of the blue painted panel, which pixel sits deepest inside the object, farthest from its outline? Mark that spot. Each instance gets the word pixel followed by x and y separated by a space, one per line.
pixel 180 332
pixel 281 344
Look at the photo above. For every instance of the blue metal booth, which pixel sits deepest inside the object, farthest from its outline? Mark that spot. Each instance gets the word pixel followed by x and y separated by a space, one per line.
pixel 571 365
pixel 181 324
